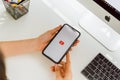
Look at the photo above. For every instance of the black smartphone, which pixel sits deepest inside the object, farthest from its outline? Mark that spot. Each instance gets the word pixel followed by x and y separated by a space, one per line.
pixel 61 43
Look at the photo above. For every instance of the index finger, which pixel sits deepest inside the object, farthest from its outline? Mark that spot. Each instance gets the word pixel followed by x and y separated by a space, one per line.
pixel 56 29
pixel 68 58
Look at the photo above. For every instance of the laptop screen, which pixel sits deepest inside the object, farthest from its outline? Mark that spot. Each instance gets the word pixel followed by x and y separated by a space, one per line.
pixel 112 6
pixel 114 3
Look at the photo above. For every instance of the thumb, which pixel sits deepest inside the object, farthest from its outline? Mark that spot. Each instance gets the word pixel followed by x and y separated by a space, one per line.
pixel 57 71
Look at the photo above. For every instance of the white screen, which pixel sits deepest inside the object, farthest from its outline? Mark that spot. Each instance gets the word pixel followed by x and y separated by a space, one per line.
pixel 55 50
pixel 114 3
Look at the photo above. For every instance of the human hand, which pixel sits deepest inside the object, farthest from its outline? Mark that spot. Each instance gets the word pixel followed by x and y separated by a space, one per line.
pixel 45 38
pixel 63 70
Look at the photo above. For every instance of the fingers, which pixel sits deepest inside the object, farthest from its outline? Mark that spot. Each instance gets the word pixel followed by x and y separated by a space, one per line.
pixel 76 42
pixel 63 64
pixel 70 49
pixel 57 71
pixel 53 68
pixel 53 31
pixel 61 69
pixel 68 58
pixel 68 63
pixel 62 72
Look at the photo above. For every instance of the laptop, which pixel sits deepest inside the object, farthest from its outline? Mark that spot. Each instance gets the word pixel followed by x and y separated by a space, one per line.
pixel 102 22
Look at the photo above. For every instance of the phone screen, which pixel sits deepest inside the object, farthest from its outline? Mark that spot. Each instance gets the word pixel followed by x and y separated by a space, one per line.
pixel 61 43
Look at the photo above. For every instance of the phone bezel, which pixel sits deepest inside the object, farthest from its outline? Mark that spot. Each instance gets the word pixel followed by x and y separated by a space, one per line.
pixel 66 50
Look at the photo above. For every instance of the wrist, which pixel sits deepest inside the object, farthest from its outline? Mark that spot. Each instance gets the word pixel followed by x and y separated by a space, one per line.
pixel 38 44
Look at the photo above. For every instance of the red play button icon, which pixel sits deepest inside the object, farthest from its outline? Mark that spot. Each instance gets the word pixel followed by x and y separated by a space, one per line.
pixel 61 42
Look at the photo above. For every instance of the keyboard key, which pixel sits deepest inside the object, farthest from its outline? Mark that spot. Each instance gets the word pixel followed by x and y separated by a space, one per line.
pixel 104 65
pixel 107 74
pixel 100 62
pixel 112 78
pixel 116 76
pixel 94 63
pixel 92 66
pixel 105 78
pixel 103 70
pixel 109 64
pixel 96 76
pixel 105 60
pixel 117 70
pixel 101 56
pixel 113 67
pixel 90 71
pixel 100 79
pixel 85 73
pixel 100 68
pixel 101 74
pixel 90 77
pixel 97 71
pixel 108 69
pixel 112 72
pixel 97 58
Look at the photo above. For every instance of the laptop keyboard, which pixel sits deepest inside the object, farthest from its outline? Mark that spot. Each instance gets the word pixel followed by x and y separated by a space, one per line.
pixel 101 68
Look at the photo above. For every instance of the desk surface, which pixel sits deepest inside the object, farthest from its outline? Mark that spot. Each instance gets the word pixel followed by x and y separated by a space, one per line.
pixel 43 16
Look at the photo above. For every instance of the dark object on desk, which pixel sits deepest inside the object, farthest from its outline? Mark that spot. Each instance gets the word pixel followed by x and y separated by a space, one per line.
pixel 101 68
pixel 17 10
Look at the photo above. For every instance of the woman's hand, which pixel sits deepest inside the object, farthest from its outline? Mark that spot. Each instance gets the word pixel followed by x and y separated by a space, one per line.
pixel 12 48
pixel 45 38
pixel 63 70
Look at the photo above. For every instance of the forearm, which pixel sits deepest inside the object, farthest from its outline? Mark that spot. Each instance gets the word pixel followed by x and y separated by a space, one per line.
pixel 12 48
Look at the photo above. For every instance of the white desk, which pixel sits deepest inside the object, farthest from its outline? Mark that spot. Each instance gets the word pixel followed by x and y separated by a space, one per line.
pixel 45 15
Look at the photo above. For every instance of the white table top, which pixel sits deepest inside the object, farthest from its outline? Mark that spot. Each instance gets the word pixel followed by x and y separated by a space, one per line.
pixel 43 16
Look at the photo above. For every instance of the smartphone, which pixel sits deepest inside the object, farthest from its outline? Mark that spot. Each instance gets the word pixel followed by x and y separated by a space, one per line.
pixel 61 43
